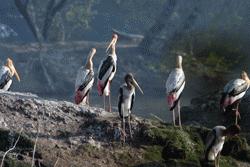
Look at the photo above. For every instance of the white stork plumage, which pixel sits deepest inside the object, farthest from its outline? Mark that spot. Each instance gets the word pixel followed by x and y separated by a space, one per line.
pixel 7 71
pixel 233 93
pixel 85 80
pixel 126 100
pixel 106 71
pixel 174 87
pixel 215 141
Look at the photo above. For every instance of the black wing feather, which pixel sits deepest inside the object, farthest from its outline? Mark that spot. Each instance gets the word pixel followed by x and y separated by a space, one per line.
pixel 107 63
pixel 89 77
pixel 120 102
pixel 238 90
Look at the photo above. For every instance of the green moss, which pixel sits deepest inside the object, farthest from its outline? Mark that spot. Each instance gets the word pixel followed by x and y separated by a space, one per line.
pixel 9 162
pixel 24 142
pixel 227 162
pixel 153 153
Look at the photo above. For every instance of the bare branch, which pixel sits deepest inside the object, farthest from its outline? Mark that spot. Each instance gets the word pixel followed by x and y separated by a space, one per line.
pixel 56 161
pixel 34 150
pixel 11 148
pixel 22 8
pixel 52 9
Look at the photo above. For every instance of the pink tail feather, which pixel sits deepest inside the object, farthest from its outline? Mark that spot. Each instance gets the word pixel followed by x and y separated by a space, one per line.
pixel 79 97
pixel 99 88
pixel 171 99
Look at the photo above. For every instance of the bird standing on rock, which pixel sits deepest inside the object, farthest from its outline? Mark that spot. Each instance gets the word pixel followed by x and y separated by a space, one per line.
pixel 7 71
pixel 85 80
pixel 126 100
pixel 233 93
pixel 174 86
pixel 215 141
pixel 106 71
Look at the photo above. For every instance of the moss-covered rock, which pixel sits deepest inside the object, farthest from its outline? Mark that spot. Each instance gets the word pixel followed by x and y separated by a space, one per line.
pixel 185 148
pixel 10 162
pixel 8 138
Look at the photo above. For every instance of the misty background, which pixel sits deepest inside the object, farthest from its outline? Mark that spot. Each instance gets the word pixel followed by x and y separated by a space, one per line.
pixel 50 39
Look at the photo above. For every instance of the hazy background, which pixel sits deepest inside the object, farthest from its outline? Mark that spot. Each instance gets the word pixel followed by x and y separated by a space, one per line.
pixel 50 39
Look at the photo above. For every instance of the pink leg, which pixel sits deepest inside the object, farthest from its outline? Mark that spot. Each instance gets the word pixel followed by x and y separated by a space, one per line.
pixel 237 114
pixel 110 109
pixel 179 113
pixel 104 102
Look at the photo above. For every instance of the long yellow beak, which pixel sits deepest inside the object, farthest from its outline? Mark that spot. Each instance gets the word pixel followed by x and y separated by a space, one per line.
pixel 12 68
pixel 16 74
pixel 137 85
pixel 113 41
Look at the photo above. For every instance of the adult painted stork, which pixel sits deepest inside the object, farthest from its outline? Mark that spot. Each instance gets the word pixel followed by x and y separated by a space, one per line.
pixel 126 100
pixel 174 87
pixel 233 93
pixel 106 71
pixel 7 71
pixel 215 141
pixel 85 80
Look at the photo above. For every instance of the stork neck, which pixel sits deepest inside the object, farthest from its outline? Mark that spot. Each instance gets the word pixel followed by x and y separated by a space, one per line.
pixel 179 63
pixel 89 64
pixel 246 78
pixel 10 68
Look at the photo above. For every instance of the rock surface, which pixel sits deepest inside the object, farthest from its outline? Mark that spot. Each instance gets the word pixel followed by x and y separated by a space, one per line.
pixel 79 136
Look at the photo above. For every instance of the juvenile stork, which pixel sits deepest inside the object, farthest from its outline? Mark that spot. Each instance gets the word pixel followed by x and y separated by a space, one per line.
pixel 174 87
pixel 233 93
pixel 126 100
pixel 85 80
pixel 106 71
pixel 215 141
pixel 7 71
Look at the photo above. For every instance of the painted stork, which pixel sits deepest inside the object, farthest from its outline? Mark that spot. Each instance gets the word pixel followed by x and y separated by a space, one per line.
pixel 106 71
pixel 233 93
pixel 126 100
pixel 174 87
pixel 7 71
pixel 215 141
pixel 85 80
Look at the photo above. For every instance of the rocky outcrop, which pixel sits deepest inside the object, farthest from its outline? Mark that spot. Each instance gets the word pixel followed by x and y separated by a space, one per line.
pixel 205 111
pixel 71 135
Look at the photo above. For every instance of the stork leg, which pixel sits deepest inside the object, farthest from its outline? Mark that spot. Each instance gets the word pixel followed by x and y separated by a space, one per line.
pixel 237 113
pixel 179 113
pixel 110 109
pixel 88 99
pixel 104 102
pixel 123 126
pixel 174 117
pixel 218 160
pixel 130 129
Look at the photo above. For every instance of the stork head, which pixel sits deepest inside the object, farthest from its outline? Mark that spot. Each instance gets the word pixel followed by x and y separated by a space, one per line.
pixel 179 61
pixel 232 130
pixel 245 77
pixel 10 65
pixel 89 64
pixel 129 79
pixel 112 42
pixel 92 53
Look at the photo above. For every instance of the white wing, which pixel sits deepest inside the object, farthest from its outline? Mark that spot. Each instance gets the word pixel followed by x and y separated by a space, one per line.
pixel 175 80
pixel 4 72
pixel 236 86
pixel 81 77
pixel 106 69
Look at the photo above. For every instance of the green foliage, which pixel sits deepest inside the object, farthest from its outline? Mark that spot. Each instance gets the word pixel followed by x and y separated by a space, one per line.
pixel 213 50
pixel 79 14
pixel 24 142
pixel 134 15
pixel 10 162
pixel 153 153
